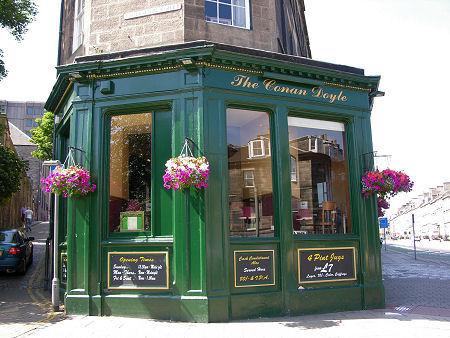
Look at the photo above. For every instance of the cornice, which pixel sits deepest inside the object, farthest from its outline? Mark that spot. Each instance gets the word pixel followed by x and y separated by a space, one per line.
pixel 213 56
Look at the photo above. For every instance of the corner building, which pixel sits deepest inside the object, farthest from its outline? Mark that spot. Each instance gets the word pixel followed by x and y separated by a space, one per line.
pixel 281 229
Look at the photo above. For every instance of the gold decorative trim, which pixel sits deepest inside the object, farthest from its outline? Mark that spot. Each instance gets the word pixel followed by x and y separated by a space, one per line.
pixel 235 69
pixel 332 84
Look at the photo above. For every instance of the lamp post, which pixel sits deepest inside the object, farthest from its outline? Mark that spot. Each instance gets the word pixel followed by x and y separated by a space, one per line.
pixel 55 280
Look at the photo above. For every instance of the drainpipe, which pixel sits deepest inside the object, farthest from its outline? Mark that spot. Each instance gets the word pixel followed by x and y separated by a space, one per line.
pixel 61 15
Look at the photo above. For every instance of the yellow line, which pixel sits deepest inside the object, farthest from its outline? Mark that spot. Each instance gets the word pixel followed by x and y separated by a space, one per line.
pixel 31 281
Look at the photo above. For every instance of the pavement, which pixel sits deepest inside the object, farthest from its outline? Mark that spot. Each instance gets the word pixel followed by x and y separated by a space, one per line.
pixel 417 294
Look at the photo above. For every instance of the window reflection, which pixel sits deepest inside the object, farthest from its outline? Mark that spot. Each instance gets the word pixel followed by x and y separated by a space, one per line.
pixel 250 174
pixel 319 182
pixel 130 173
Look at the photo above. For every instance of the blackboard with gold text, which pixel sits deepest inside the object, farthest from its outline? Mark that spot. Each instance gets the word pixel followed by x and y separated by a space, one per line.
pixel 326 265
pixel 254 268
pixel 138 270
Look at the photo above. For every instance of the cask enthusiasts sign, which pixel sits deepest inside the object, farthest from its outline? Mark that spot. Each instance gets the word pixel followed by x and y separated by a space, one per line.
pixel 138 270
pixel 326 265
pixel 254 268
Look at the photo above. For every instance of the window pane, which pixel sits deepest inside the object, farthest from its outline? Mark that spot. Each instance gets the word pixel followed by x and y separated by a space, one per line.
pixel 250 178
pixel 211 11
pixel 29 111
pixel 225 14
pixel 29 123
pixel 239 16
pixel 320 194
pixel 239 3
pixel 130 173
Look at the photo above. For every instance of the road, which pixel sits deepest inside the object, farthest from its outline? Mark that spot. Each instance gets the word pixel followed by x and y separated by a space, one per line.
pixel 24 299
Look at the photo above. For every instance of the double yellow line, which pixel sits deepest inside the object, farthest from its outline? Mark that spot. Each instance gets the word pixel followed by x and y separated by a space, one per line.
pixel 36 294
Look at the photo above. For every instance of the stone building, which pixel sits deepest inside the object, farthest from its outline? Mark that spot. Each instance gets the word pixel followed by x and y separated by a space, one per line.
pixel 283 135
pixel 24 147
pixel 10 213
pixel 100 27
pixel 431 212
pixel 23 114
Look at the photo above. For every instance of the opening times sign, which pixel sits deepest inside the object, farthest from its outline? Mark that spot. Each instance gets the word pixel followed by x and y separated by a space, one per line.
pixel 316 265
pixel 138 270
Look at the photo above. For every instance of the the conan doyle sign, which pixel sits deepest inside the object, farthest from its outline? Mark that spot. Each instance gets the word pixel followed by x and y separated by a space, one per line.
pixel 272 86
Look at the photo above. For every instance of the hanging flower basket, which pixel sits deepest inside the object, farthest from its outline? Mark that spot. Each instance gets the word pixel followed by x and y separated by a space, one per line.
pixel 68 182
pixel 385 184
pixel 185 172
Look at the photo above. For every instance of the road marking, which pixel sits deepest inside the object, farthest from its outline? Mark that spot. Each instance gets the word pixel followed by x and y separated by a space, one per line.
pixel 41 301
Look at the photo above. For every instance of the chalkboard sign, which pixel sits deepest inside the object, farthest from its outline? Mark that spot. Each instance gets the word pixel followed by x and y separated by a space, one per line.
pixel 64 268
pixel 326 265
pixel 138 270
pixel 254 268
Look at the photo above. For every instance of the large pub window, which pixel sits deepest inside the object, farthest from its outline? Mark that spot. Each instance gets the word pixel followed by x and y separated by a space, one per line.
pixel 320 194
pixel 130 173
pixel 249 174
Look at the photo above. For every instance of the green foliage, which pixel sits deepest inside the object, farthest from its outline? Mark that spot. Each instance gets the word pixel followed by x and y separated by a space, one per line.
pixel 42 135
pixel 15 15
pixel 12 169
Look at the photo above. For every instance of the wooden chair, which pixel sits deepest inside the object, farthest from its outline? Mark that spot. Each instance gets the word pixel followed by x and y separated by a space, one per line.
pixel 328 216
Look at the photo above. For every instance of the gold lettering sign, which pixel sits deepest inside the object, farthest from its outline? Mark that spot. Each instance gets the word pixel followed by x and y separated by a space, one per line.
pixel 271 85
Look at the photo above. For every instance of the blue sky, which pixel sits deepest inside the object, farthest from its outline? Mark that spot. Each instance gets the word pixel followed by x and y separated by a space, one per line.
pixel 404 41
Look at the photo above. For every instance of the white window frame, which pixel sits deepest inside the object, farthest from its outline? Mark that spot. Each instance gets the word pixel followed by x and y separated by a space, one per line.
pixel 251 148
pixel 78 25
pixel 249 179
pixel 293 165
pixel 246 8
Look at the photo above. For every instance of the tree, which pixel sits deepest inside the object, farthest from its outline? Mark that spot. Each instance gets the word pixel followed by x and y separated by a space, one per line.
pixel 42 135
pixel 12 170
pixel 15 15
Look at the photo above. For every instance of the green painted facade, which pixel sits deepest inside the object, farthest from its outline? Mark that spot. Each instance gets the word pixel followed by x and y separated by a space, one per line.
pixel 193 226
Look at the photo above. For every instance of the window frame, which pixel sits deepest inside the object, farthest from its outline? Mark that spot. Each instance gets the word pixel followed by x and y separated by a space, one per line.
pixel 78 25
pixel 328 121
pixel 246 8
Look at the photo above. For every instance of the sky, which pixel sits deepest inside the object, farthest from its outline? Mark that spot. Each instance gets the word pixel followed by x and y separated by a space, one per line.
pixel 407 42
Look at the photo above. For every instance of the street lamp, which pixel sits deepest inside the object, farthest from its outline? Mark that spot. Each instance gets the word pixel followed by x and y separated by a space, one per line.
pixel 55 280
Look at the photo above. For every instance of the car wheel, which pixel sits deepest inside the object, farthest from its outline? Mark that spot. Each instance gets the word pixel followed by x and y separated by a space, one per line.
pixel 31 258
pixel 23 270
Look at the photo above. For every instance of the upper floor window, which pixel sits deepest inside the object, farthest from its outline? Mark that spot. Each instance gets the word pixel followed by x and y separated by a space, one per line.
pixel 78 25
pixel 228 12
pixel 29 110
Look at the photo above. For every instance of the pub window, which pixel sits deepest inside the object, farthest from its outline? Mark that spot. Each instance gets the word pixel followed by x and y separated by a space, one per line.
pixel 130 173
pixel 251 203
pixel 320 197
pixel 228 12
pixel 78 25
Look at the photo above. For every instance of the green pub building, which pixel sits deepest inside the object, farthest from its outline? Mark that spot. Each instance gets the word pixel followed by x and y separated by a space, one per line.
pixel 281 229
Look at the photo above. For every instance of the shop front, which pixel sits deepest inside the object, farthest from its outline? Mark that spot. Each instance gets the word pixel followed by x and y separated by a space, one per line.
pixel 281 228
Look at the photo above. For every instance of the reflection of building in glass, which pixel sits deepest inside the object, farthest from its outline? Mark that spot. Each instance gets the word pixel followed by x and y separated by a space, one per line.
pixel 322 177
pixel 250 182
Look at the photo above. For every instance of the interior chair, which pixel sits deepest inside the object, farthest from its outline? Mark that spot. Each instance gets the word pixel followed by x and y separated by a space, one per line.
pixel 329 216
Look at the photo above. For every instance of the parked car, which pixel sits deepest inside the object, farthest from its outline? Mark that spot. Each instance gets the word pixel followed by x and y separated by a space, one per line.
pixel 16 251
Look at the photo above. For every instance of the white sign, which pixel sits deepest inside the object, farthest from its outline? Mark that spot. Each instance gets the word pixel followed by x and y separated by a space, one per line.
pixel 151 11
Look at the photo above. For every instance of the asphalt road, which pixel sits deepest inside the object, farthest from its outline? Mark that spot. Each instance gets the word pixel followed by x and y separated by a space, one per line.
pixel 25 299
